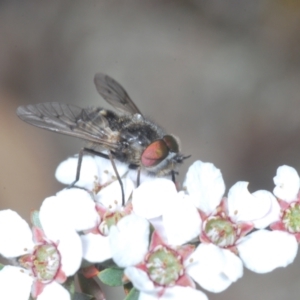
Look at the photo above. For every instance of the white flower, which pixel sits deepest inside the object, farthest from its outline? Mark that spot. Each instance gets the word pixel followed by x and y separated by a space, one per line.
pixel 96 245
pixel 225 221
pixel 287 184
pixel 282 245
pixel 261 209
pixel 148 291
pixel 45 257
pixel 75 209
pixel 171 213
pixel 156 269
pixel 97 210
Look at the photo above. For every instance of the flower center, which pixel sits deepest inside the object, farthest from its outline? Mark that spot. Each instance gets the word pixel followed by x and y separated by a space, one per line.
pixel 220 231
pixel 291 218
pixel 46 262
pixel 108 221
pixel 164 266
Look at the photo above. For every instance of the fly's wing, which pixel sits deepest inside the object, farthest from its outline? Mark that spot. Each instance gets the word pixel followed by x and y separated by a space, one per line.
pixel 87 124
pixel 115 94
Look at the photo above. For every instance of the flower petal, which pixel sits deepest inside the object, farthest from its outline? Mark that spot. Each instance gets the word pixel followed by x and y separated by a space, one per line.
pixel 15 283
pixel 263 251
pixel 182 221
pixel 129 240
pixel 214 268
pixel 110 196
pixel 73 208
pixel 243 206
pixel 273 215
pixel 70 248
pixel 180 292
pixel 15 234
pixel 66 172
pixel 287 183
pixel 204 182
pixel 94 169
pixel 151 198
pixel 96 247
pixel 54 291
pixel 106 171
pixel 159 227
pixel 174 293
pixel 139 279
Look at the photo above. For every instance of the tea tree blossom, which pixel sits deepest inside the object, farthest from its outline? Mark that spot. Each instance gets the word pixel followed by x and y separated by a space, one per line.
pixel 45 259
pixel 286 226
pixel 75 209
pixel 227 221
pixel 103 191
pixel 155 268
pixel 95 242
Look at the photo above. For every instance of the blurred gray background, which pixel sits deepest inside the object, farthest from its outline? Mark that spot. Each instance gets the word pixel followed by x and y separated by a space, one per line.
pixel 223 75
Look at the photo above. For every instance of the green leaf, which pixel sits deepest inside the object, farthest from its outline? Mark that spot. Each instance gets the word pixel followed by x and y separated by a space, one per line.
pixel 112 276
pixel 133 295
pixel 1 267
pixel 81 296
pixel 70 285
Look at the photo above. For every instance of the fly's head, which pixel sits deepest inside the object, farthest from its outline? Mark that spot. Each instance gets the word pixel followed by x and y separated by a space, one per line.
pixel 162 156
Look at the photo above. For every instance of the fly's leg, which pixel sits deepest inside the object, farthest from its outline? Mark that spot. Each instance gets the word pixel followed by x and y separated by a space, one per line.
pixel 173 173
pixel 79 162
pixel 118 176
pixel 138 179
pixel 106 156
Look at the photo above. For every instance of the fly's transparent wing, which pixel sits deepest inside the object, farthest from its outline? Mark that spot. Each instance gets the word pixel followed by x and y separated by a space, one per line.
pixel 87 124
pixel 115 94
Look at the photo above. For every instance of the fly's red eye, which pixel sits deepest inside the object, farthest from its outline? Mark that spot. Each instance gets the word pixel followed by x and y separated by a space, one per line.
pixel 171 143
pixel 154 153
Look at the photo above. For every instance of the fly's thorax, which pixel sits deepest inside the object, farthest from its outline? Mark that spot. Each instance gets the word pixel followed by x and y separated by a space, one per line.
pixel 136 134
pixel 113 119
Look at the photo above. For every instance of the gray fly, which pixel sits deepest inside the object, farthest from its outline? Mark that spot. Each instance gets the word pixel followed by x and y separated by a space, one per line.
pixel 125 135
